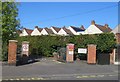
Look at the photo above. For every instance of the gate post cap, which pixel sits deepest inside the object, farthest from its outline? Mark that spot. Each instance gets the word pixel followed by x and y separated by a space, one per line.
pixel 25 42
pixel 70 44
pixel 13 41
pixel 92 45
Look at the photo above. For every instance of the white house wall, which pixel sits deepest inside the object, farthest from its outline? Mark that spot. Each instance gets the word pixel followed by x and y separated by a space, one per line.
pixel 116 30
pixel 44 32
pixel 72 30
pixel 53 30
pixel 82 32
pixel 62 32
pixel 20 34
pixel 35 32
pixel 24 33
pixel 92 29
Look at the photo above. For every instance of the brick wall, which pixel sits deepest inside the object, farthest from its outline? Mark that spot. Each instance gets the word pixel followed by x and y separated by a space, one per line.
pixel 118 38
pixel 112 57
pixel 12 49
pixel 118 53
pixel 91 57
pixel 70 53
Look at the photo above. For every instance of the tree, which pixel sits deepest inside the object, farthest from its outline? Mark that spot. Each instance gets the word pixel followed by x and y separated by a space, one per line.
pixel 0 29
pixel 10 24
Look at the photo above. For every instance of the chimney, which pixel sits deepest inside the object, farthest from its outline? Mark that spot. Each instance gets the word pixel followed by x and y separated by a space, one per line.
pixel 106 25
pixel 24 28
pixel 63 27
pixel 36 26
pixel 92 22
pixel 82 27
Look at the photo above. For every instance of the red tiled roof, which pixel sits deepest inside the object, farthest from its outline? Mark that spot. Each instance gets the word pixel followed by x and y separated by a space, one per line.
pixel 56 29
pixel 49 31
pixel 103 28
pixel 67 31
pixel 39 29
pixel 82 27
pixel 19 31
pixel 29 31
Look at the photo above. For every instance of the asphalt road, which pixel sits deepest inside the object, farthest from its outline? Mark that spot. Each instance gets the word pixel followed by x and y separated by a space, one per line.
pixel 49 69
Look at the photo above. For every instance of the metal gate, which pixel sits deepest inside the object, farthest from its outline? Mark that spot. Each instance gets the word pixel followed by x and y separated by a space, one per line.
pixel 103 59
pixel 82 53
pixel 62 54
pixel 20 58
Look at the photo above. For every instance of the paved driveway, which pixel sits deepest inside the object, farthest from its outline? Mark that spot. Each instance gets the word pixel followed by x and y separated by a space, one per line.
pixel 49 69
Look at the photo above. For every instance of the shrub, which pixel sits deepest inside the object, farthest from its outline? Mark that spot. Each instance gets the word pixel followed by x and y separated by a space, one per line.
pixel 46 45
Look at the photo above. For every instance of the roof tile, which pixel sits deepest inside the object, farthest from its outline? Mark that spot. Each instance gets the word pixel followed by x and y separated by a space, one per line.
pixel 29 31
pixel 67 31
pixel 56 29
pixel 49 31
pixel 103 28
pixel 78 29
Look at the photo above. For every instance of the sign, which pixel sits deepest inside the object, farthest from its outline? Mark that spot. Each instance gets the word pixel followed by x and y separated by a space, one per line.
pixel 82 50
pixel 25 47
pixel 71 52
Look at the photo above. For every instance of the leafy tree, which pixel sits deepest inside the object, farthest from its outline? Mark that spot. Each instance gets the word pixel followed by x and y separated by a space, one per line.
pixel 106 42
pixel 0 29
pixel 10 24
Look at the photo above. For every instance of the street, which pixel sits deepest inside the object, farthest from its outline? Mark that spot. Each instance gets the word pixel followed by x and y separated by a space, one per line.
pixel 49 69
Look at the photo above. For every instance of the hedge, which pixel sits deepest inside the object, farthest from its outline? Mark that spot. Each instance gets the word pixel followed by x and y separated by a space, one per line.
pixel 46 45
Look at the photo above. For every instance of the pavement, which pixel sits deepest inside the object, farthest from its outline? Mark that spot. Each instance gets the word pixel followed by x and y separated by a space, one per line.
pixel 50 69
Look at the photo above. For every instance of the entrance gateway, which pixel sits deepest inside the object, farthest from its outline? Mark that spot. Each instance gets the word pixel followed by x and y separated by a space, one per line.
pixel 12 52
pixel 91 55
pixel 91 52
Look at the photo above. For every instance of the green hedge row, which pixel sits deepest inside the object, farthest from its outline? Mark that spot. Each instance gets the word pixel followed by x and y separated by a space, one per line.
pixel 46 45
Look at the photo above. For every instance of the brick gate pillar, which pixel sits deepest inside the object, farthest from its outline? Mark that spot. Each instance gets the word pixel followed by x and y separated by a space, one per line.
pixel 118 38
pixel 112 57
pixel 91 56
pixel 118 53
pixel 70 53
pixel 25 48
pixel 12 49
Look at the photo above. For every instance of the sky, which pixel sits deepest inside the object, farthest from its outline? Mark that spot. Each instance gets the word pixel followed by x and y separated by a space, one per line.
pixel 67 0
pixel 59 14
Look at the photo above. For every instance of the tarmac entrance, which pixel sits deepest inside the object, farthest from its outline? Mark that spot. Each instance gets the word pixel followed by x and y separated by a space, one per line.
pixel 66 54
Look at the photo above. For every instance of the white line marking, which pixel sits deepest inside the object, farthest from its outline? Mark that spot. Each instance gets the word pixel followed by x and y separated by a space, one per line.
pixel 100 75
pixel 92 75
pixel 11 79
pixel 22 79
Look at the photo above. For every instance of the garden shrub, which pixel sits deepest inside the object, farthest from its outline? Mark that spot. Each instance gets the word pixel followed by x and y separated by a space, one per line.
pixel 45 45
